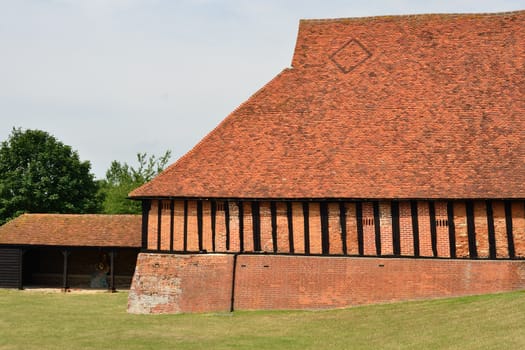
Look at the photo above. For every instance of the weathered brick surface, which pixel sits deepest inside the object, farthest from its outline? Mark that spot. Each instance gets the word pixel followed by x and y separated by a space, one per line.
pixel 168 283
pixel 293 282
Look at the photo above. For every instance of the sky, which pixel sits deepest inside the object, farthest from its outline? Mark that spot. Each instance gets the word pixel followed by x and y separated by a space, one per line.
pixel 112 78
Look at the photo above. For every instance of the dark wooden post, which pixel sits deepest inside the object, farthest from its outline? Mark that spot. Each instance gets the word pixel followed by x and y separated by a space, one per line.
pixel 21 269
pixel 65 285
pixel 146 205
pixel 112 271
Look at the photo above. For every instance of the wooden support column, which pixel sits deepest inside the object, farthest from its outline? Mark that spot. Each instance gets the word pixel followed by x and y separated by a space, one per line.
pixel 415 226
pixel 377 227
pixel 273 210
pixel 213 206
pixel 451 229
pixel 21 269
pixel 359 223
pixel 433 228
pixel 172 223
pixel 65 283
pixel 146 206
pixel 159 223
pixel 342 223
pixel 396 231
pixel 306 215
pixel 112 288
pixel 471 230
pixel 199 224
pixel 325 236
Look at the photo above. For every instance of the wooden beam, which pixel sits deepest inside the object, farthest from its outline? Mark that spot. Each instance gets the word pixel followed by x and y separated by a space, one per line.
pixel 256 226
pixel 65 282
pixel 112 288
pixel 415 226
pixel 159 222
pixel 306 215
pixel 359 223
pixel 471 230
pixel 451 229
pixel 146 206
pixel 377 228
pixel 433 228
pixel 396 231
pixel 273 211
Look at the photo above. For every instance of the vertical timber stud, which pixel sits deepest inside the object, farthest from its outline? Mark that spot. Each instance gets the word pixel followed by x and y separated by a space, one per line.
pixel 185 232
pixel 273 213
pixel 112 269
pixel 290 226
pixel 342 222
pixel 471 230
pixel 451 229
pixel 508 226
pixel 65 282
pixel 213 223
pixel 306 215
pixel 325 236
pixel 256 224
pixel 199 224
pixel 396 234
pixel 433 229
pixel 377 227
pixel 359 222
pixel 159 222
pixel 491 230
pixel 227 223
pixel 21 253
pixel 172 214
pixel 241 225
pixel 146 206
pixel 415 227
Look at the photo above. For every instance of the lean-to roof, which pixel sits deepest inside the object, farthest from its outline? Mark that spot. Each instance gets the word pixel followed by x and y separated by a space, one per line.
pixel 81 230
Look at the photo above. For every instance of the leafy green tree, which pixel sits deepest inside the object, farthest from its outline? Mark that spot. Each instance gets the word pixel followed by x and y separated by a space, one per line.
pixel 39 174
pixel 122 178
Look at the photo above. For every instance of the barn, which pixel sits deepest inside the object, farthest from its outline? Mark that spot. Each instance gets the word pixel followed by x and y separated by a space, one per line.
pixel 69 251
pixel 388 163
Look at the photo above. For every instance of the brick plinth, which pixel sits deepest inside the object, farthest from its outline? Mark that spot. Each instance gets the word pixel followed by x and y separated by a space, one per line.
pixel 294 282
pixel 170 283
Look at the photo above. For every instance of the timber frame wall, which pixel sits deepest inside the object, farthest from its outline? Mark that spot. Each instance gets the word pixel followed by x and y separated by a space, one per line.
pixel 475 229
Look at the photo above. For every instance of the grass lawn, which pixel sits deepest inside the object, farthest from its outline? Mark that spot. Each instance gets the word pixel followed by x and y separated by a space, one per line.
pixel 37 320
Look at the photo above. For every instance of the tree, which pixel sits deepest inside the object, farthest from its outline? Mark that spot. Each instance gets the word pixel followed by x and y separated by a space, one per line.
pixel 39 174
pixel 122 178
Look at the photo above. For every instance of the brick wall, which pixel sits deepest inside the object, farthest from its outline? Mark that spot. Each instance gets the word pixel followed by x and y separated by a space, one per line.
pixel 170 283
pixel 495 229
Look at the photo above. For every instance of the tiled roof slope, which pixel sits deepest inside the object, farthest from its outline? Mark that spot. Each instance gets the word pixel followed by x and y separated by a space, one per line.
pixel 423 106
pixel 87 230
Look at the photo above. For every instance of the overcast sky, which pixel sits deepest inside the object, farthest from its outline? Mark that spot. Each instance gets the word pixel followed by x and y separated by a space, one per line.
pixel 115 77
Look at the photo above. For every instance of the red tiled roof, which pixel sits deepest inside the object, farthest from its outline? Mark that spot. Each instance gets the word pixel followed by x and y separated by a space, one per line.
pixel 423 106
pixel 73 230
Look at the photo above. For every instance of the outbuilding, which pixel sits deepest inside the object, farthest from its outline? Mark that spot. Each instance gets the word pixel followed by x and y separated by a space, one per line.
pixel 69 251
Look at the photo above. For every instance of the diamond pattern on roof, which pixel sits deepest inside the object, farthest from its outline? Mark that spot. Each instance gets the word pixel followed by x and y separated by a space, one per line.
pixel 350 55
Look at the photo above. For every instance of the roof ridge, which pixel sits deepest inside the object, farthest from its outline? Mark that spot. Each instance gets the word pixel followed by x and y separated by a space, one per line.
pixel 414 15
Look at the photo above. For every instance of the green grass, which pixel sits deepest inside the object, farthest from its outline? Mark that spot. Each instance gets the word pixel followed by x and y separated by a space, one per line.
pixel 35 320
